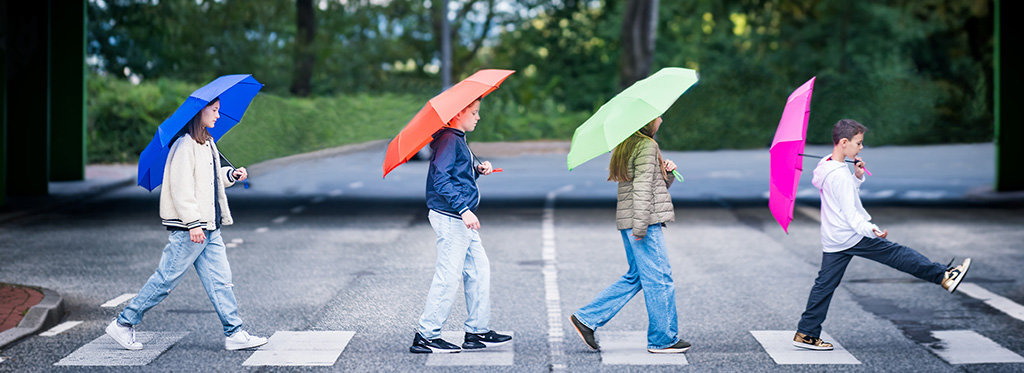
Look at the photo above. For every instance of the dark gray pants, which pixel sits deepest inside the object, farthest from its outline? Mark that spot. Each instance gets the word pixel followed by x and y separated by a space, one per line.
pixel 833 265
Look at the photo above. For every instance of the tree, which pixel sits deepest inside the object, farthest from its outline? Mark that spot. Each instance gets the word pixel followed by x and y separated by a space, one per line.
pixel 304 48
pixel 639 29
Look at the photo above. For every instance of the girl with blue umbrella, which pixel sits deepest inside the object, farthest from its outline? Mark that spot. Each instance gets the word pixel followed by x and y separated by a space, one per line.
pixel 193 207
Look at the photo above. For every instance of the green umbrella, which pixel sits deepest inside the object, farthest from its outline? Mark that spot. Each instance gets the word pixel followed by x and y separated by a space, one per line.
pixel 627 112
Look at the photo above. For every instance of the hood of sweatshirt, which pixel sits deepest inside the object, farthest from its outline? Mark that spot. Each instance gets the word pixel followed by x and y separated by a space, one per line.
pixel 826 167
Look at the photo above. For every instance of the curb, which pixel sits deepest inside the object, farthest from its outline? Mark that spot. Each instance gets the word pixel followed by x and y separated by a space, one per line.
pixel 46 314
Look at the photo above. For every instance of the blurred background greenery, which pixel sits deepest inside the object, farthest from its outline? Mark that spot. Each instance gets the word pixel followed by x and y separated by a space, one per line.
pixel 914 71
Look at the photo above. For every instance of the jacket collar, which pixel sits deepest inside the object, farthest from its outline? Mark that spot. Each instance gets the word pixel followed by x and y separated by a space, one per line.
pixel 450 129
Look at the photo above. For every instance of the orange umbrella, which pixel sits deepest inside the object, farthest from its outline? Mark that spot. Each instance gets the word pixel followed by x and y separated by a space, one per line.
pixel 437 112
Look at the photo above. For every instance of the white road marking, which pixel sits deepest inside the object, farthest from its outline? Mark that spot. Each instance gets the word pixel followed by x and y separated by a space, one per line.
pixel 630 348
pixel 262 230
pixel 303 348
pixel 888 193
pixel 728 174
pixel 503 355
pixel 924 194
pixel 550 270
pixel 117 301
pixel 298 209
pixel 356 185
pixel 992 299
pixel 280 219
pixel 779 345
pixel 335 193
pixel 231 245
pixel 969 347
pixel 237 241
pixel 104 351
pixel 807 193
pixel 317 200
pixel 60 328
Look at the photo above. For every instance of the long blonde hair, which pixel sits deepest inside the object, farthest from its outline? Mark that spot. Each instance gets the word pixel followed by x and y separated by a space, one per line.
pixel 618 167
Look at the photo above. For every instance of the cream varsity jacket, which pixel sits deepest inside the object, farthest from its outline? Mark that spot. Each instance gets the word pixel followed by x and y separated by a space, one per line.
pixel 187 195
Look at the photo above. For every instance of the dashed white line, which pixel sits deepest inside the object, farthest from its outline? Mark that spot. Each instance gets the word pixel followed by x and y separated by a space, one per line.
pixel 810 212
pixel 550 270
pixel 305 348
pixel 317 200
pixel 237 241
pixel 992 299
pixel 356 185
pixel 298 209
pixel 969 347
pixel 104 351
pixel 280 219
pixel 779 345
pixel 60 328
pixel 117 301
pixel 262 230
pixel 231 245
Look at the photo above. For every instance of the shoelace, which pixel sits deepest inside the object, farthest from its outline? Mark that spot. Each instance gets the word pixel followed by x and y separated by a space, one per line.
pixel 132 329
pixel 949 266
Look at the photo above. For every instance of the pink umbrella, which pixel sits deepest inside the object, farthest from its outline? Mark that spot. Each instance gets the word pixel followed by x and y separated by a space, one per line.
pixel 787 154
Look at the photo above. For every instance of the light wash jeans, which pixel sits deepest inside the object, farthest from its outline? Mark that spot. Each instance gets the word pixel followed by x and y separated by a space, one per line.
pixel 649 270
pixel 460 257
pixel 833 266
pixel 211 262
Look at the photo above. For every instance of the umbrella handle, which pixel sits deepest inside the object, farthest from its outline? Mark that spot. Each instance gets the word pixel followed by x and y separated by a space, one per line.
pixel 677 175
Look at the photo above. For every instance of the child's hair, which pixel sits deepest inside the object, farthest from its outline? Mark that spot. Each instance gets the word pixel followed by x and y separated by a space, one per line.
pixel 478 99
pixel 618 167
pixel 846 129
pixel 195 126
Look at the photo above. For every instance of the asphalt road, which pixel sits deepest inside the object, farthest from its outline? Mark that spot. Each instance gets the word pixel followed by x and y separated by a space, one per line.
pixel 323 247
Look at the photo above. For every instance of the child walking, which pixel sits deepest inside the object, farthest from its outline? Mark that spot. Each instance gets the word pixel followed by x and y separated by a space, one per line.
pixel 643 207
pixel 193 207
pixel 847 231
pixel 452 198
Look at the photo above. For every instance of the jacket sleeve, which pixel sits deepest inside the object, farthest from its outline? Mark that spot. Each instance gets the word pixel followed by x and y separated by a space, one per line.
pixel 846 191
pixel 443 173
pixel 182 183
pixel 645 169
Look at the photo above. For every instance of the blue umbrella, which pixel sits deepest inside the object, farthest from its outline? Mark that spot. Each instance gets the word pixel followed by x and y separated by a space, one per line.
pixel 236 93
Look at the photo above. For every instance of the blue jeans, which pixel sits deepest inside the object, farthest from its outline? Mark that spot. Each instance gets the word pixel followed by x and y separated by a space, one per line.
pixel 211 262
pixel 460 257
pixel 650 271
pixel 833 266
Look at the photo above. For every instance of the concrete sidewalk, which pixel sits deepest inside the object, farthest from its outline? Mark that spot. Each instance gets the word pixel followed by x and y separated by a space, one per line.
pixel 99 179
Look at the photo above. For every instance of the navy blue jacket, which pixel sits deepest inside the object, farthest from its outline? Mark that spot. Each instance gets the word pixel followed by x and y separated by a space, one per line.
pixel 451 180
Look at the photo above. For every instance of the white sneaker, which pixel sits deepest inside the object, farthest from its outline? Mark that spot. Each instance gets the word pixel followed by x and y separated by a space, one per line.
pixel 123 335
pixel 242 340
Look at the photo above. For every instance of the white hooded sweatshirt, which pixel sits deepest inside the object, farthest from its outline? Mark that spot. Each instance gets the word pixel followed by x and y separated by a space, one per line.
pixel 844 221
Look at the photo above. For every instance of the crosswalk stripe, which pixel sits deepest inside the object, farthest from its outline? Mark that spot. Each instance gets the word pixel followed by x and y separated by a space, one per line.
pixel 992 299
pixel 104 351
pixel 969 347
pixel 60 328
pixel 289 348
pixel 779 345
pixel 630 348
pixel 117 301
pixel 503 355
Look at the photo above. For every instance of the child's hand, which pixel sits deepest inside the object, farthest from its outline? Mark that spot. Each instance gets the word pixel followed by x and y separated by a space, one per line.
pixel 470 219
pixel 197 235
pixel 485 168
pixel 669 166
pixel 240 174
pixel 882 234
pixel 859 166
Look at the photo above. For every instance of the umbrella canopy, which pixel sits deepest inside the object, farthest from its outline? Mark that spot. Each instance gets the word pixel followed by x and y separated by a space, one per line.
pixel 437 112
pixel 627 112
pixel 787 154
pixel 235 93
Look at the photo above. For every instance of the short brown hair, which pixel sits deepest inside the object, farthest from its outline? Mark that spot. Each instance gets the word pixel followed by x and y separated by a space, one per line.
pixel 846 129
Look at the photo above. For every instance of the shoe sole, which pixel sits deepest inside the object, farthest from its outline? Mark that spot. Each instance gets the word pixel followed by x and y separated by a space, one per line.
pixel 431 350
pixel 486 345
pixel 580 333
pixel 126 347
pixel 811 347
pixel 244 347
pixel 956 283
pixel 669 351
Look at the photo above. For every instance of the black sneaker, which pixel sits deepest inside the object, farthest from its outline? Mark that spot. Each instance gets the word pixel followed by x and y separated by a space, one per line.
pixel 678 348
pixel 585 332
pixel 490 339
pixel 422 345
